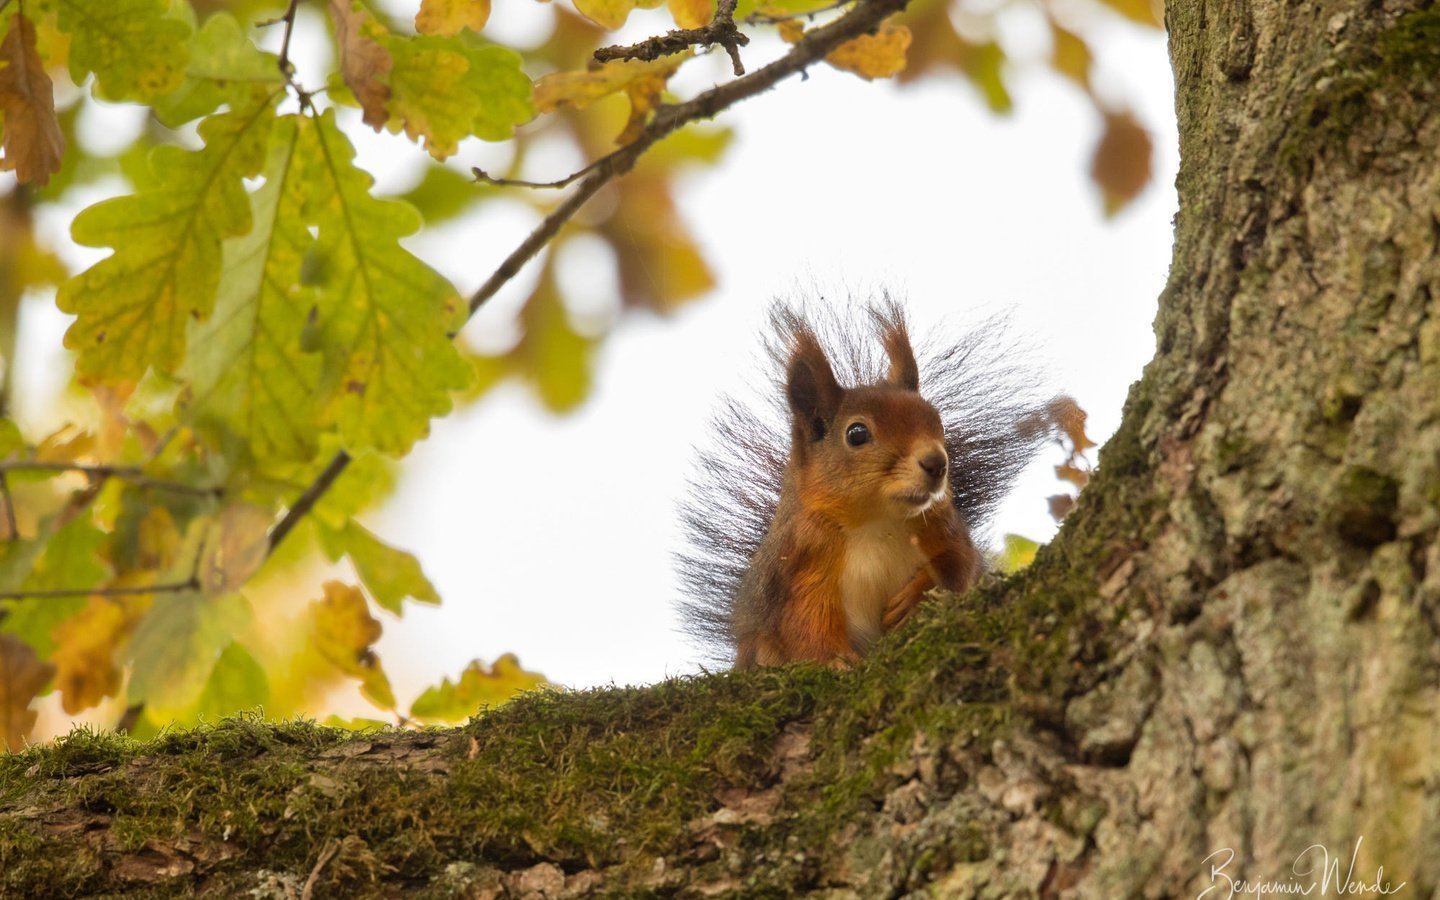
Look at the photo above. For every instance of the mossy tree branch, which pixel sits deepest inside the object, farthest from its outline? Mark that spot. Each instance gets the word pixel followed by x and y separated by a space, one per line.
pixel 1231 645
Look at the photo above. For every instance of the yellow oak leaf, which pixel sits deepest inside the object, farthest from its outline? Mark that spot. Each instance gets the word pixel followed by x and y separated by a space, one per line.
pixel 22 675
pixel 611 14
pixel 85 669
pixel 580 89
pixel 34 143
pixel 691 13
pixel 448 17
pixel 1069 55
pixel 344 632
pixel 878 55
pixel 363 62
pixel 791 30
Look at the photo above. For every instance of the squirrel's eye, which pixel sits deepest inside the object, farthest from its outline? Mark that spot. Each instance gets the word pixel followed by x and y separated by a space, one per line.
pixel 857 434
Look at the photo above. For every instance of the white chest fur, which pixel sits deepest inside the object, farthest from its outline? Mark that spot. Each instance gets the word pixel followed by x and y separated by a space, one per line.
pixel 879 561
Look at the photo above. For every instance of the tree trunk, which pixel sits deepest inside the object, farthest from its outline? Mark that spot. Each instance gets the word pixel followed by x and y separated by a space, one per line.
pixel 1224 668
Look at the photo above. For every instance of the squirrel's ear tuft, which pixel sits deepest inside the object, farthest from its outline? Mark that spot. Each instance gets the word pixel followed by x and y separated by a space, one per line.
pixel 810 386
pixel 904 372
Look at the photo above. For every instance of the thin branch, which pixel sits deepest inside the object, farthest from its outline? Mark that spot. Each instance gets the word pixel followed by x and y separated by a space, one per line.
pixel 133 474
pixel 485 177
pixel 721 30
pixel 814 46
pixel 307 500
pixel 286 66
pixel 171 587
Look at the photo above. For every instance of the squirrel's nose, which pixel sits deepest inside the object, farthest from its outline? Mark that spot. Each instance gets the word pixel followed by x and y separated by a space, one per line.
pixel 934 464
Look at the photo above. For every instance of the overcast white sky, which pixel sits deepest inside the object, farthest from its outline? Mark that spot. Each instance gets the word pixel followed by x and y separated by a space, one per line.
pixel 553 537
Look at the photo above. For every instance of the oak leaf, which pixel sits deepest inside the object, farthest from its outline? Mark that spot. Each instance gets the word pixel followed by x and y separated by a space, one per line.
pixel 344 633
pixel 878 55
pixel 252 381
pixel 135 48
pixel 611 14
pixel 22 676
pixel 479 686
pixel 448 17
pixel 383 316
pixel 84 658
pixel 1070 55
pixel 176 646
pixel 33 144
pixel 390 575
pixel 363 62
pixel 1121 165
pixel 133 308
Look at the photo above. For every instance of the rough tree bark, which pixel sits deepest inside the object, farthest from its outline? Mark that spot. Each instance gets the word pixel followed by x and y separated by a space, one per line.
pixel 1231 646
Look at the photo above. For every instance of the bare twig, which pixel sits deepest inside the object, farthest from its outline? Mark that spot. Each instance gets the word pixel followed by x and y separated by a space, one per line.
pixel 133 474
pixel 288 18
pixel 170 587
pixel 721 30
pixel 811 48
pixel 487 178
pixel 287 68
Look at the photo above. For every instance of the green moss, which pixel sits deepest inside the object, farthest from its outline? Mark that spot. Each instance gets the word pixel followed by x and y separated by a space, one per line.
pixel 1407 55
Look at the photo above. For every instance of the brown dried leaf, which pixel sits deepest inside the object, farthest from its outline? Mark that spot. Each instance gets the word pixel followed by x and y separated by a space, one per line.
pixel 362 61
pixel 448 17
pixel 34 143
pixel 1070 419
pixel 22 676
pixel 1060 506
pixel 1073 474
pixel 878 55
pixel 1121 166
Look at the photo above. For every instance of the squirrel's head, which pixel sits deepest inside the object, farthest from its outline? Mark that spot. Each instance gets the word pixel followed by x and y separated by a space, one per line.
pixel 866 453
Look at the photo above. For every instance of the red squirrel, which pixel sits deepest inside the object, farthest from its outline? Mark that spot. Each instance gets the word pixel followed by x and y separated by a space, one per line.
pixel 811 544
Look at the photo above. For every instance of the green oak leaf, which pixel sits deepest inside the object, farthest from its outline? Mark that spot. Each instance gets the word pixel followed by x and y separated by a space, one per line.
pixel 551 354
pixel 132 308
pixel 177 645
pixel 237 683
pixel 479 686
pixel 224 65
pixel 252 378
pixel 443 90
pixel 136 50
pixel 384 317
pixel 390 575
pixel 68 559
